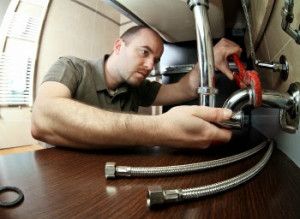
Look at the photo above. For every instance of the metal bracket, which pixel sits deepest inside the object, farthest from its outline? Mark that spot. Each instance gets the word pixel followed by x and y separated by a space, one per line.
pixel 287 18
pixel 289 118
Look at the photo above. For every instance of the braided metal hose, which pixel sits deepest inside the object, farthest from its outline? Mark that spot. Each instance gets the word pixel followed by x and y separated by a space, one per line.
pixel 112 171
pixel 157 196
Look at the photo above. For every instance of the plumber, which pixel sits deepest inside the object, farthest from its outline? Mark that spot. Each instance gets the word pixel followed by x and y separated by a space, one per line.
pixel 92 104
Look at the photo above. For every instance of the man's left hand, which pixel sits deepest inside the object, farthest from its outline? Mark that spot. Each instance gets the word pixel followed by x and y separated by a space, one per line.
pixel 222 50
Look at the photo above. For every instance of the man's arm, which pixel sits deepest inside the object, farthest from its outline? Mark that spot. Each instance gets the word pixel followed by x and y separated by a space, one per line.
pixel 183 90
pixel 59 120
pixel 186 88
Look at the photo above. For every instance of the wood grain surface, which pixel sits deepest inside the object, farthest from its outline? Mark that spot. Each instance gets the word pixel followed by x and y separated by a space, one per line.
pixel 65 183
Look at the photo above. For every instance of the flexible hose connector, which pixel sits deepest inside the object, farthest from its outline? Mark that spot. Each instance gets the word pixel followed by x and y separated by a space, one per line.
pixel 157 196
pixel 112 171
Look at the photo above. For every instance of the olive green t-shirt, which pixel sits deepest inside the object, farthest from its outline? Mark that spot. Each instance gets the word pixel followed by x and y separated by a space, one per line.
pixel 85 79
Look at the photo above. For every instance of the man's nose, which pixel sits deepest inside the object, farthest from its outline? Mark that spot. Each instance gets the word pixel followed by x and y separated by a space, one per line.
pixel 149 64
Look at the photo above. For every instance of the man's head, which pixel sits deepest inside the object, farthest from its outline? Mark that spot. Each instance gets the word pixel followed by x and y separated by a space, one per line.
pixel 136 52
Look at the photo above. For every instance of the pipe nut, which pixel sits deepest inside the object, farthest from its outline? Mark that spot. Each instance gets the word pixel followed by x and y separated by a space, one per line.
pixel 155 196
pixel 110 170
pixel 207 91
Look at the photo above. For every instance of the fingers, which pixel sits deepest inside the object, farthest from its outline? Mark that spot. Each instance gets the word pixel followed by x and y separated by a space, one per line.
pixel 233 48
pixel 222 50
pixel 211 114
pixel 212 134
pixel 230 47
pixel 220 135
pixel 224 68
pixel 195 125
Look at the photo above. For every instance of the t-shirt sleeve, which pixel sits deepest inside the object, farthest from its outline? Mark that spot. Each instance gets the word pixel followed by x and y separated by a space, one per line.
pixel 147 92
pixel 64 71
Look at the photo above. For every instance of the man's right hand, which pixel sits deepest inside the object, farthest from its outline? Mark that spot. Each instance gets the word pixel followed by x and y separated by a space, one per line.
pixel 190 126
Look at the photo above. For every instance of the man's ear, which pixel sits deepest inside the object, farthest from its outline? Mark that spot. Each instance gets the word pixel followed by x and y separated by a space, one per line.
pixel 117 45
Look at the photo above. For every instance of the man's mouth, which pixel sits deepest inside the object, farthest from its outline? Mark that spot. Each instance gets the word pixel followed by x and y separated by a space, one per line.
pixel 144 73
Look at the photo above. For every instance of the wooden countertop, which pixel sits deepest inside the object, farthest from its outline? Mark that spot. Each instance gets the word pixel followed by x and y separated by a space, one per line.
pixel 65 183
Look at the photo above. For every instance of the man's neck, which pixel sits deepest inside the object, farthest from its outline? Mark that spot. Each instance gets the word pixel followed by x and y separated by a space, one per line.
pixel 112 79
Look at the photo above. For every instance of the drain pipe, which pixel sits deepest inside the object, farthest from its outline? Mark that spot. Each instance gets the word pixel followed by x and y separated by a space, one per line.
pixel 206 90
pixel 244 96
pixel 288 103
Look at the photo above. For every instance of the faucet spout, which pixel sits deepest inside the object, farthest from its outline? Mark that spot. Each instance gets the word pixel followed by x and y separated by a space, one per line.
pixel 207 90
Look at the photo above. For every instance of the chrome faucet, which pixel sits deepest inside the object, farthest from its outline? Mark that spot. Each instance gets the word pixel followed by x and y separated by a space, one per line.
pixel 206 90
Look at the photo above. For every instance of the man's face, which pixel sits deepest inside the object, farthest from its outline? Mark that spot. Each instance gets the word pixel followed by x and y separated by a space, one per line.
pixel 138 56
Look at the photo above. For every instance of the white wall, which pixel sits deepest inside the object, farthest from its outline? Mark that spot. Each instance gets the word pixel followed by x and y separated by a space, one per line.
pixel 74 29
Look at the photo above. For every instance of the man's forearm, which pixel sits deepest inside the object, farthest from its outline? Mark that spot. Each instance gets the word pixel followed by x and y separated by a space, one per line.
pixel 183 90
pixel 62 121
pixel 190 84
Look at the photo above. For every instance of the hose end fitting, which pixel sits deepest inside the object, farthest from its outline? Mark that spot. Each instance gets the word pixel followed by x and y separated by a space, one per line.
pixel 157 196
pixel 110 170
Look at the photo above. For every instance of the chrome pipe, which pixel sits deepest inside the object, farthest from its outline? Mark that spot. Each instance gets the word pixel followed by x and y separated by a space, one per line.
pixel 270 98
pixel 275 66
pixel 237 121
pixel 239 98
pixel 207 90
pixel 288 103
pixel 277 100
pixel 287 19
pixel 244 96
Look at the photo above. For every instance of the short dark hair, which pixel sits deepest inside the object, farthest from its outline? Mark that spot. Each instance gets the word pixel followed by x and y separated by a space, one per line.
pixel 128 34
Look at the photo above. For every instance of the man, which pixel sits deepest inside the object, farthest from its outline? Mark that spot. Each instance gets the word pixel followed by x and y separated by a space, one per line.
pixel 79 102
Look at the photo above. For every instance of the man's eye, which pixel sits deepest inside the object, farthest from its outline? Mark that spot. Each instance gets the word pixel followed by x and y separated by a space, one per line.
pixel 144 52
